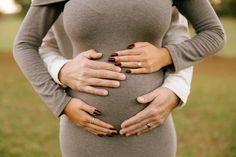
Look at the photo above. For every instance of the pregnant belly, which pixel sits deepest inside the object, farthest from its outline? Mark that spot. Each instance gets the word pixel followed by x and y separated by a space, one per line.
pixel 121 102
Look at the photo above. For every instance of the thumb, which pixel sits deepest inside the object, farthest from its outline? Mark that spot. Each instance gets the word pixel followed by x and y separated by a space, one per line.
pixel 92 54
pixel 148 97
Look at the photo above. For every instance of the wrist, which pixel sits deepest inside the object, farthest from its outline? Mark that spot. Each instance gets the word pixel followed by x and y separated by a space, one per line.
pixel 68 106
pixel 61 74
pixel 166 58
pixel 173 98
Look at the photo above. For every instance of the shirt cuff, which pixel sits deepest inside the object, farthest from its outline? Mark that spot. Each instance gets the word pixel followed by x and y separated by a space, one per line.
pixel 180 91
pixel 56 66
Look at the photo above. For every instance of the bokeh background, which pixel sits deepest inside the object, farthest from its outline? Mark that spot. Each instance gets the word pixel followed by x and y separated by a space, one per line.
pixel 206 126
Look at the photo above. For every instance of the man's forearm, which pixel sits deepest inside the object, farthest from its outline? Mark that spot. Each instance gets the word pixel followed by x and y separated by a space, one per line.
pixel 54 62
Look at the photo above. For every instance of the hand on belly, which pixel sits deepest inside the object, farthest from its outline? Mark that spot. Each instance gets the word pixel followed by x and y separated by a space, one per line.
pixel 84 74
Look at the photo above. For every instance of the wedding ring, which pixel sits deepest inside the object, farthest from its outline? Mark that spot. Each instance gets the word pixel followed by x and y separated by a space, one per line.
pixel 92 120
pixel 149 125
pixel 139 64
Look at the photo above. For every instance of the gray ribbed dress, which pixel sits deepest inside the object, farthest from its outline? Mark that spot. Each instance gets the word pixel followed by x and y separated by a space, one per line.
pixel 108 26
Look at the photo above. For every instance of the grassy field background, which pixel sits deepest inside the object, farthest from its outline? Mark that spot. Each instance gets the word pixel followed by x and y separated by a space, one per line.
pixel 206 126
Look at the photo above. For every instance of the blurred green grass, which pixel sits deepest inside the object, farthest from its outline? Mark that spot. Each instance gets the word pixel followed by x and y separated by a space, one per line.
pixel 9 26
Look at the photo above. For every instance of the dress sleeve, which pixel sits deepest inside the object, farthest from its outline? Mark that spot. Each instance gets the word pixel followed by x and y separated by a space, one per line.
pixel 35 25
pixel 210 36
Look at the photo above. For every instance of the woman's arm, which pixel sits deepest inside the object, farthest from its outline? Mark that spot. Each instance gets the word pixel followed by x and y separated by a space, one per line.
pixel 29 38
pixel 210 36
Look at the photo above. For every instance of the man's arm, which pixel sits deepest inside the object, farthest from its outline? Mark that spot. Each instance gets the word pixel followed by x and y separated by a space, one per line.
pixel 53 59
pixel 179 82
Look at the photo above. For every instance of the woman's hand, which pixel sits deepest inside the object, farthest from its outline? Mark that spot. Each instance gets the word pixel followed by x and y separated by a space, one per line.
pixel 163 101
pixel 83 73
pixel 142 57
pixel 83 114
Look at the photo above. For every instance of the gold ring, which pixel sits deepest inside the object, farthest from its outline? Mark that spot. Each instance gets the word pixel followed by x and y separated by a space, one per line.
pixel 149 125
pixel 92 120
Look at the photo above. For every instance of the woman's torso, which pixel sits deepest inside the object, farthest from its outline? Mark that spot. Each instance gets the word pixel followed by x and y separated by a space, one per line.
pixel 108 26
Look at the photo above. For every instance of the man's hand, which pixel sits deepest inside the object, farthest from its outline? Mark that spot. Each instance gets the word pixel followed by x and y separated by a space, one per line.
pixel 163 101
pixel 83 72
pixel 83 115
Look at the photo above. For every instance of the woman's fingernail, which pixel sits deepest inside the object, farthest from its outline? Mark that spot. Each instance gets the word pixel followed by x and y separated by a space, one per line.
pixel 114 54
pixel 118 64
pixel 128 71
pixel 130 46
pixel 111 59
pixel 114 133
pixel 101 135
pixel 97 112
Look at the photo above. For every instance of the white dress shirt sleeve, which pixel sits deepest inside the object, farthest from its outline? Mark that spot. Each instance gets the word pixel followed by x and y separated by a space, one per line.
pixel 52 57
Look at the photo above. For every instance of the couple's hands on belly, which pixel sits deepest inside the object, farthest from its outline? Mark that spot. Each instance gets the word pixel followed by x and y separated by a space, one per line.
pixel 83 73
pixel 142 57
pixel 161 103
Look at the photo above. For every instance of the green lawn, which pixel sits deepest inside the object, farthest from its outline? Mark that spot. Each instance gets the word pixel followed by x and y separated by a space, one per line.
pixel 8 28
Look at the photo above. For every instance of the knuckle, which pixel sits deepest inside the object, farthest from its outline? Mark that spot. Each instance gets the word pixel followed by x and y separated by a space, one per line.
pixel 84 121
pixel 83 73
pixel 153 112
pixel 86 63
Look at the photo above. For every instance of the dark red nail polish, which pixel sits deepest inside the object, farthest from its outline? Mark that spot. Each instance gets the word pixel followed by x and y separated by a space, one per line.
pixel 128 71
pixel 100 135
pixel 130 46
pixel 114 133
pixel 97 112
pixel 113 129
pixel 114 54
pixel 118 64
pixel 111 59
